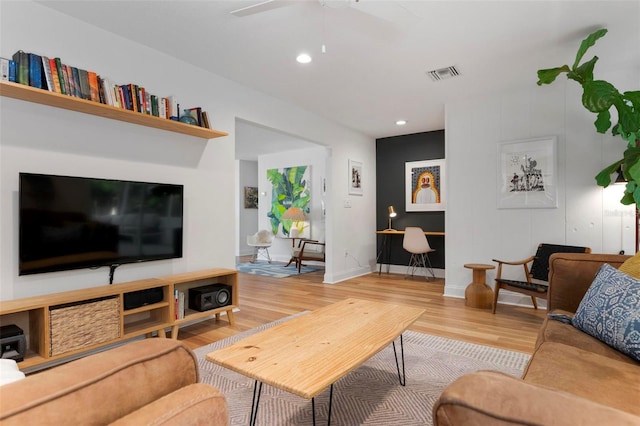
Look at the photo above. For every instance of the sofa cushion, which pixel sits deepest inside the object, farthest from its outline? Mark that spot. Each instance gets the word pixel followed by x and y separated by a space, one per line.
pixel 492 398
pixel 100 388
pixel 631 266
pixel 196 404
pixel 588 375
pixel 567 334
pixel 610 310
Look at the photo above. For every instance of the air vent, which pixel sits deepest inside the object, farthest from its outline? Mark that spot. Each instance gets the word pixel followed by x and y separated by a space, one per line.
pixel 443 73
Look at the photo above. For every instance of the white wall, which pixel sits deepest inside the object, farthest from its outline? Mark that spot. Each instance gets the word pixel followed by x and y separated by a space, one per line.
pixel 477 231
pixel 35 138
pixel 247 218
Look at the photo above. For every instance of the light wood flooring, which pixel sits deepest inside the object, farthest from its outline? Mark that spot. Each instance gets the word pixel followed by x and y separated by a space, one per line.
pixel 264 299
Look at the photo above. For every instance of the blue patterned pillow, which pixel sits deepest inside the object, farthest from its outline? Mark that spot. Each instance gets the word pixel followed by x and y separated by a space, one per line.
pixel 610 311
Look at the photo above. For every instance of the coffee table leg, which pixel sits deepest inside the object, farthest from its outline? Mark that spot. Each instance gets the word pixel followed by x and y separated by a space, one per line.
pixel 402 377
pixel 313 407
pixel 257 390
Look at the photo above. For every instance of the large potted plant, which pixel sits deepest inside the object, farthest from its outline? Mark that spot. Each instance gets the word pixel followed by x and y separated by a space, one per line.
pixel 599 97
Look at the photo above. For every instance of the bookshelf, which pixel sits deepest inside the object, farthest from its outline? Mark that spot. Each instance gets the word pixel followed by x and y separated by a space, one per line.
pixel 57 100
pixel 34 315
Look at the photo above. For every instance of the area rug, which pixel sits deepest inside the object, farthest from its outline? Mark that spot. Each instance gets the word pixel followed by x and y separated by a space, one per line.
pixel 370 395
pixel 275 270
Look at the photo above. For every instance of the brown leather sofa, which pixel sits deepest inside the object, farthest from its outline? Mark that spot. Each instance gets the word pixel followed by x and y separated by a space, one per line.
pixel 571 379
pixel 152 381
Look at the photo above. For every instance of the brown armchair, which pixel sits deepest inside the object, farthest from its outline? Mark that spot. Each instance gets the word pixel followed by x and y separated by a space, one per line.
pixel 539 271
pixel 308 250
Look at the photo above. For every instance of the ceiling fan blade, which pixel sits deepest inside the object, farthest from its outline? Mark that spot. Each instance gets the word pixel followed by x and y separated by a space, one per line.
pixel 258 8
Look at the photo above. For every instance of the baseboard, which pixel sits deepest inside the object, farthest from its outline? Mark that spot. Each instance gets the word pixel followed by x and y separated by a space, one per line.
pixel 353 273
pixel 402 269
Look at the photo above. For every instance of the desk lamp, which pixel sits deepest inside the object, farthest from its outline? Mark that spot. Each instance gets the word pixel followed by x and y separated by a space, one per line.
pixel 392 213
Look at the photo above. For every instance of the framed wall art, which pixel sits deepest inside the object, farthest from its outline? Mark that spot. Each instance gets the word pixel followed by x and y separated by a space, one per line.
pixel 250 197
pixel 355 177
pixel 527 174
pixel 425 186
pixel 291 193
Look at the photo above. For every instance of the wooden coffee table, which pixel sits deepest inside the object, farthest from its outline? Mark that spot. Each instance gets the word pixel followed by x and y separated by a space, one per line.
pixel 309 353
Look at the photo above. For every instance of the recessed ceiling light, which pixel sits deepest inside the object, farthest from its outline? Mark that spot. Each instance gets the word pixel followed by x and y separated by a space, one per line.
pixel 303 58
pixel 401 122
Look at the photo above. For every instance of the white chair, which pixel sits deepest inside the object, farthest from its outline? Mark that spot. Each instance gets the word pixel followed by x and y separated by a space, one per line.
pixel 415 242
pixel 260 241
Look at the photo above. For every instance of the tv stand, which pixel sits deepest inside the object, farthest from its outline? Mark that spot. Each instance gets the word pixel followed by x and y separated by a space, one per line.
pixel 53 322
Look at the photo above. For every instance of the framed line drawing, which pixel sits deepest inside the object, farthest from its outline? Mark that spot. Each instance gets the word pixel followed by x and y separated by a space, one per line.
pixel 425 185
pixel 355 177
pixel 527 174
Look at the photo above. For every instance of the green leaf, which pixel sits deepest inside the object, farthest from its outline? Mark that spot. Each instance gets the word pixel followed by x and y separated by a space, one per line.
pixel 632 164
pixel 604 177
pixel 634 97
pixel 587 43
pixel 627 199
pixel 585 71
pixel 636 196
pixel 603 122
pixel 599 95
pixel 548 76
pixel 615 130
pixel 628 119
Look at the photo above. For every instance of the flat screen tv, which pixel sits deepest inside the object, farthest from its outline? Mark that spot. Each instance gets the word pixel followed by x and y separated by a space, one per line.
pixel 78 222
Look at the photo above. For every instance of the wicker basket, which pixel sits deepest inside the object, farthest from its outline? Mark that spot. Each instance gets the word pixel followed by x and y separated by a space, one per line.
pixel 88 323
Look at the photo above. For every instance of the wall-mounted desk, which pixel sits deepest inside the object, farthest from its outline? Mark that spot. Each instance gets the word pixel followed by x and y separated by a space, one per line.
pixel 385 249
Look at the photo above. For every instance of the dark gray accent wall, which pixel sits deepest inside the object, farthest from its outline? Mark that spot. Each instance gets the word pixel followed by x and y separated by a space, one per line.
pixel 391 155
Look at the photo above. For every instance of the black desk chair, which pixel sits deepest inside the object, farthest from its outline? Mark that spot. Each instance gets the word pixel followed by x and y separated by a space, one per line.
pixel 539 271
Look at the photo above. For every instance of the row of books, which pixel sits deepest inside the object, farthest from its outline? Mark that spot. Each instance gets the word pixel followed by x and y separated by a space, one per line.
pixel 178 299
pixel 51 74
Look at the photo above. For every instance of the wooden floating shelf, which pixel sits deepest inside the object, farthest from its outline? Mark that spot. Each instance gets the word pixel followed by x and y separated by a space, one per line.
pixel 57 100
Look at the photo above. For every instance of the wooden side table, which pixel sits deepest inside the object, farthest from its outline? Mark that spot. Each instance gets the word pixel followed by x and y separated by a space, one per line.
pixel 478 294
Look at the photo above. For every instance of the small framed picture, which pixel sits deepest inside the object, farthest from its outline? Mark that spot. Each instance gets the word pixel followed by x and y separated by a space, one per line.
pixel 250 197
pixel 355 177
pixel 425 186
pixel 527 177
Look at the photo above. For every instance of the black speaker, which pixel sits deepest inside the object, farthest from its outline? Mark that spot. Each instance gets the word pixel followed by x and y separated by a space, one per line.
pixel 209 297
pixel 135 299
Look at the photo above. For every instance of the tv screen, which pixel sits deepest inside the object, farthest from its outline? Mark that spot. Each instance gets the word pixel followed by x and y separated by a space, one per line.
pixel 76 222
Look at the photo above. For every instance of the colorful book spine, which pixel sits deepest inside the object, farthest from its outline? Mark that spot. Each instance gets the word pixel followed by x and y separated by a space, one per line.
pixel 48 73
pixel 54 75
pixel 74 81
pixel 22 63
pixel 205 119
pixel 163 108
pixel 85 89
pixel 63 88
pixel 35 71
pixel 180 304
pixel 154 105
pixel 13 71
pixel 147 103
pixel 93 86
pixel 67 79
pixel 172 105
pixel 4 69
